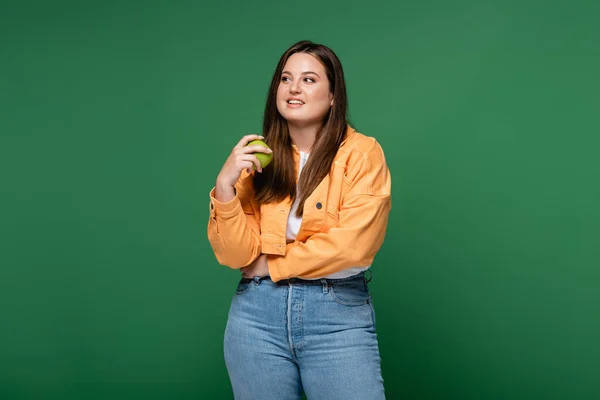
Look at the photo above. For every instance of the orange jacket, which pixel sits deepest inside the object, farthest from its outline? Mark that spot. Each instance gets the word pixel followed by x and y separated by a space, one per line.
pixel 343 224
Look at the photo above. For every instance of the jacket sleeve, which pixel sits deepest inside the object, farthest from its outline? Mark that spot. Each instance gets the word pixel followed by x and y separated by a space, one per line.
pixel 234 227
pixel 355 240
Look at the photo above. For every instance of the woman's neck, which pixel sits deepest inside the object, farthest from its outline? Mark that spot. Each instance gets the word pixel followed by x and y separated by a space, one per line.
pixel 303 136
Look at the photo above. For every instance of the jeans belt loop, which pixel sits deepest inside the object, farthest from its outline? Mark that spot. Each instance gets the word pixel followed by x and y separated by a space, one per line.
pixel 325 285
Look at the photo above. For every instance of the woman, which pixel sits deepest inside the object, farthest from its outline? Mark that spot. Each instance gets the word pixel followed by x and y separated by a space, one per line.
pixel 303 230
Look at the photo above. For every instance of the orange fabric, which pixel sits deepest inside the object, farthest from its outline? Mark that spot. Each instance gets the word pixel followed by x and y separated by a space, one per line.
pixel 343 224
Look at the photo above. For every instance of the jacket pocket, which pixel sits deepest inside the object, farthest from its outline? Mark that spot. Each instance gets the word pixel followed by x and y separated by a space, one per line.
pixel 333 217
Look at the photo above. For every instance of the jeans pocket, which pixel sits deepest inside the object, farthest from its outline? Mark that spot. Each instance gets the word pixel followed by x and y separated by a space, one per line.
pixel 350 293
pixel 243 286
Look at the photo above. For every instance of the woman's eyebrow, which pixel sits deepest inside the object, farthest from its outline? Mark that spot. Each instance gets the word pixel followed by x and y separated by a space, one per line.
pixel 304 73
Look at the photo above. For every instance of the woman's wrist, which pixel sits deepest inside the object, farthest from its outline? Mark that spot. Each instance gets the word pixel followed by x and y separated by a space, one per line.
pixel 224 192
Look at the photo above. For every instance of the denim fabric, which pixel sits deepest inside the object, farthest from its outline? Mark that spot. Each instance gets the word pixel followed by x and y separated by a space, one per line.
pixel 316 336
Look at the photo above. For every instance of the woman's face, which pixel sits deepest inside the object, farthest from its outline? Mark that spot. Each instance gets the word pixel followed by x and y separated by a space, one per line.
pixel 303 96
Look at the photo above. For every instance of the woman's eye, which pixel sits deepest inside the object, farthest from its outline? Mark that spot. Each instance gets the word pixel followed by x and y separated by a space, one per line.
pixel 310 80
pixel 285 79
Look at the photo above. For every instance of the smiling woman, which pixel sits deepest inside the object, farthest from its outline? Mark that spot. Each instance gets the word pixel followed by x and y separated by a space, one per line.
pixel 303 97
pixel 303 230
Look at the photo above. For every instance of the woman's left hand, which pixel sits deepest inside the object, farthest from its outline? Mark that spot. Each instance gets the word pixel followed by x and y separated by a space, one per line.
pixel 258 267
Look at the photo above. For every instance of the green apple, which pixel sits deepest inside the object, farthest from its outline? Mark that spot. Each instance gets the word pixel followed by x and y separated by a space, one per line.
pixel 263 158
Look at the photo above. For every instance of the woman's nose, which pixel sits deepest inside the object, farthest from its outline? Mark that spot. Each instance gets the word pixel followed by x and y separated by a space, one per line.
pixel 295 87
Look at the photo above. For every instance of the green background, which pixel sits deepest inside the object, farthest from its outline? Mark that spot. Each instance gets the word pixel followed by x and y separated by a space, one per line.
pixel 116 116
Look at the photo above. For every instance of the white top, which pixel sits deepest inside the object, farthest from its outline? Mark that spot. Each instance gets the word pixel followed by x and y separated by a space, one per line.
pixel 293 226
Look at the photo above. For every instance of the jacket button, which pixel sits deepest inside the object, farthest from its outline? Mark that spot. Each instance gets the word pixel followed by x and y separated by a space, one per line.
pixel 319 205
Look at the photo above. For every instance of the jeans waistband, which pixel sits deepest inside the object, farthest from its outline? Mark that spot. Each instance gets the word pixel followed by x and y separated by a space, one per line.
pixel 360 275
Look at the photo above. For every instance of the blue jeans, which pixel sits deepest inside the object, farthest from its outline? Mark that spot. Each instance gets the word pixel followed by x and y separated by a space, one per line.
pixel 301 335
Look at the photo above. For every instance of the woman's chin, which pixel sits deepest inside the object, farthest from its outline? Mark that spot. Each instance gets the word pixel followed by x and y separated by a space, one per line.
pixel 299 120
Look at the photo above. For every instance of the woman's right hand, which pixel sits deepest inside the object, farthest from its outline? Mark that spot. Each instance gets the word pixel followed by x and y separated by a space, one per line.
pixel 241 158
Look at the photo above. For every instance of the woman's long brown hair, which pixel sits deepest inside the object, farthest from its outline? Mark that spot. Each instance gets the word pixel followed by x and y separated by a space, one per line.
pixel 278 180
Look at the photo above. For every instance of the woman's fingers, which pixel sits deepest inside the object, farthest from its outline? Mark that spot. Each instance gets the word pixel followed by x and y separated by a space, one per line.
pixel 246 139
pixel 242 157
pixel 250 161
pixel 247 154
pixel 257 148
